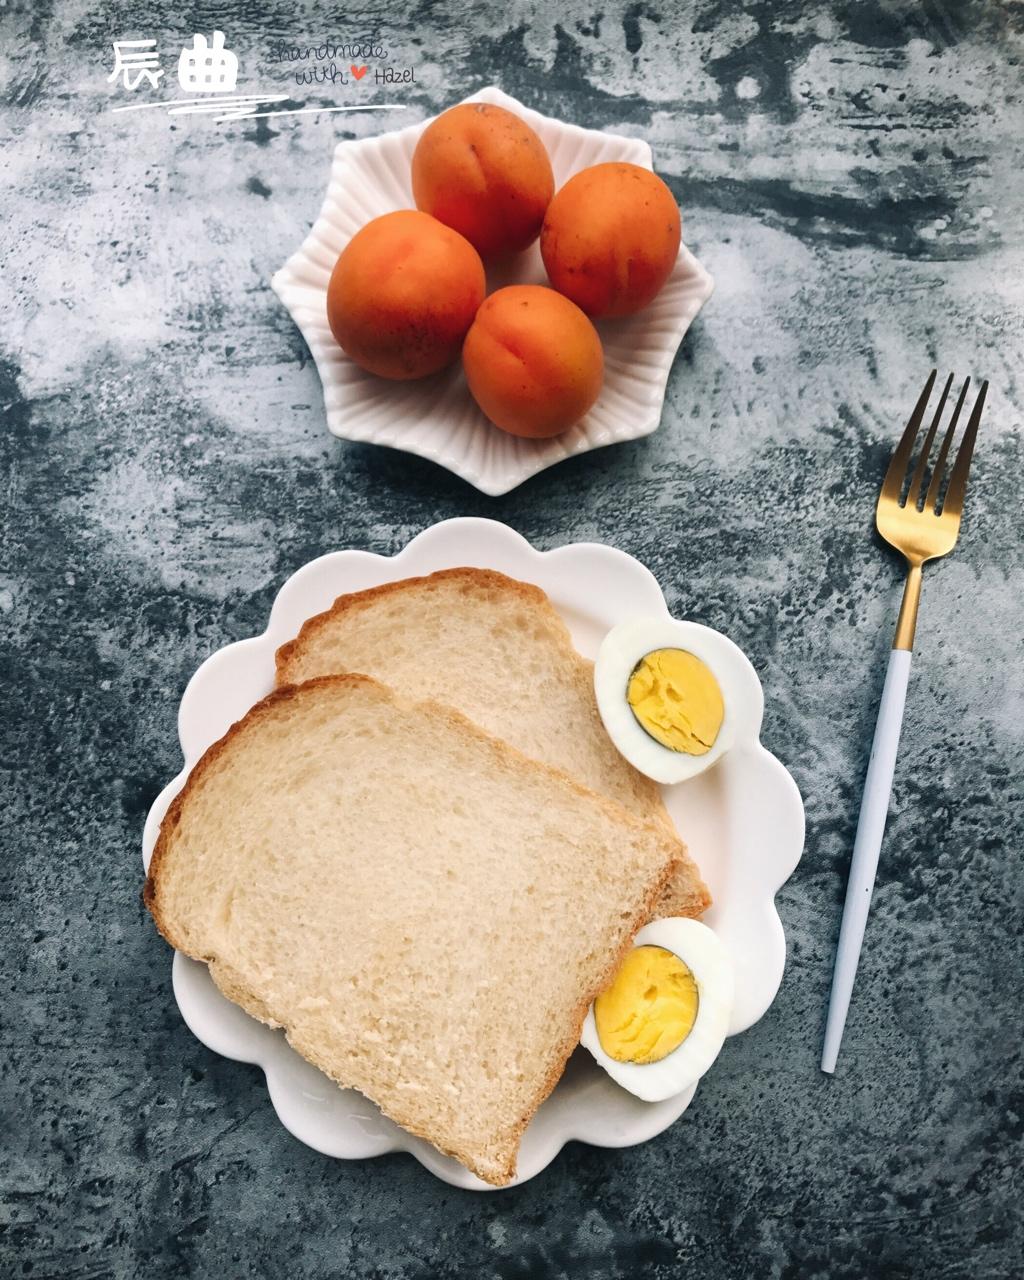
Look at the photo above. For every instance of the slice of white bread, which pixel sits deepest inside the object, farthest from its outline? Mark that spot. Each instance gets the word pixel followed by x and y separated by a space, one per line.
pixel 497 650
pixel 425 911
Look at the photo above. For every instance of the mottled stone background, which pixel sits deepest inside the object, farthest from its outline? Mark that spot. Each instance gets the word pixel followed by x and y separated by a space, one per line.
pixel 851 174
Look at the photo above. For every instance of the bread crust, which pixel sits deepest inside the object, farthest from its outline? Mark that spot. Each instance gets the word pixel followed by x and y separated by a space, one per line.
pixel 685 894
pixel 233 984
pixel 354 601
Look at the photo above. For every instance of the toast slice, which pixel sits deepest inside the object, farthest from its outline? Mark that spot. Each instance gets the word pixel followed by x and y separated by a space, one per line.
pixel 497 650
pixel 425 911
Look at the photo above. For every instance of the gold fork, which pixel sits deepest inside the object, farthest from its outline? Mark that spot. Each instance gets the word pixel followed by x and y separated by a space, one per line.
pixel 922 525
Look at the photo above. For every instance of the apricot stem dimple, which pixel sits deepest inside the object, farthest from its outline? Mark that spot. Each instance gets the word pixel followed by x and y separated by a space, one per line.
pixel 403 295
pixel 558 362
pixel 484 171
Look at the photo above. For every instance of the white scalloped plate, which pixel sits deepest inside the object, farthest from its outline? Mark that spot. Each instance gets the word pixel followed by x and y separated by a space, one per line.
pixel 743 820
pixel 436 417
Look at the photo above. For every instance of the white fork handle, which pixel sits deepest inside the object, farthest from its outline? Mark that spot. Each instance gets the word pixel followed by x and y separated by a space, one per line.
pixel 871 826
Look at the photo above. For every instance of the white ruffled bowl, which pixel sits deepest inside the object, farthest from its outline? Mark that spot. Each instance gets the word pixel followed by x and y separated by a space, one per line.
pixel 437 417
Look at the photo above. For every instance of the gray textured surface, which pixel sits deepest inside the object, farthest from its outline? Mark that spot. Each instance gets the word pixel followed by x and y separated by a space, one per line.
pixel 852 175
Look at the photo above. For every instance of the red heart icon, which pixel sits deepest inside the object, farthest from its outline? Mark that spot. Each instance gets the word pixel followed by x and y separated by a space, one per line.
pixel 359 72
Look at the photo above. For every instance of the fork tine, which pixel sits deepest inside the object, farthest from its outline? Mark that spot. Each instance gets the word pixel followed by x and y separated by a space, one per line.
pixel 947 441
pixel 954 500
pixel 892 485
pixel 917 480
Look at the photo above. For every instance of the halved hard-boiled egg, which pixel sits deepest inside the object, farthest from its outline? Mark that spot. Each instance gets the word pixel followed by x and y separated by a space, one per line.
pixel 673 695
pixel 662 1022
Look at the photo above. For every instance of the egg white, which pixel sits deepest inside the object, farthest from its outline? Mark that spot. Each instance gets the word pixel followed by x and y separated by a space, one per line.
pixel 624 646
pixel 711 965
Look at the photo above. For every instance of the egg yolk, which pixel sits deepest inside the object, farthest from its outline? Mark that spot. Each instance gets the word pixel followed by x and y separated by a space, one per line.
pixel 677 700
pixel 649 1009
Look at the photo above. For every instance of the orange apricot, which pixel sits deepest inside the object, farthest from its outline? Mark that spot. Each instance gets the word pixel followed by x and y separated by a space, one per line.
pixel 533 361
pixel 403 293
pixel 483 171
pixel 610 238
